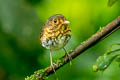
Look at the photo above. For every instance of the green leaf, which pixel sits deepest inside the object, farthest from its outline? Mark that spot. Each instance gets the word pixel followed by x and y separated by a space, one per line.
pixel 111 2
pixel 104 61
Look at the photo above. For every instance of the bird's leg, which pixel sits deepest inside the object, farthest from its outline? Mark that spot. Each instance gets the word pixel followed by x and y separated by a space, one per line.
pixel 52 62
pixel 70 58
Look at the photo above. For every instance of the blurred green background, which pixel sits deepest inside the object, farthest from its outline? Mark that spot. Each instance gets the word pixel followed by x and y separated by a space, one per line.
pixel 21 53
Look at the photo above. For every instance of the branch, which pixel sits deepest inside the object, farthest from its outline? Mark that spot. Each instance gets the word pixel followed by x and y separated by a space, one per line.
pixel 97 37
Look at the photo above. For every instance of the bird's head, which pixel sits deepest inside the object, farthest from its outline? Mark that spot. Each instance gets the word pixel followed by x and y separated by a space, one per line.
pixel 56 20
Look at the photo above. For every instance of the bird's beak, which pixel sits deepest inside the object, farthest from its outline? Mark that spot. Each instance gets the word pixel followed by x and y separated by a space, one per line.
pixel 66 22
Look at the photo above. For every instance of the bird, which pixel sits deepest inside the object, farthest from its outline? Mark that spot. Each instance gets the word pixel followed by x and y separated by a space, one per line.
pixel 55 34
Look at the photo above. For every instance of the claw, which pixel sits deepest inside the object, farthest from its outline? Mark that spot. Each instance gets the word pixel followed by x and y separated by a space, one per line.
pixel 52 64
pixel 68 55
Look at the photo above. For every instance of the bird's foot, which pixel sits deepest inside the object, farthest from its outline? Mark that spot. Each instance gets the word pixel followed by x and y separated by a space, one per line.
pixel 70 58
pixel 53 67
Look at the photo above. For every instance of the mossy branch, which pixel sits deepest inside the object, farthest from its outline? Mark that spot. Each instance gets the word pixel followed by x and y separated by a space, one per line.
pixel 97 37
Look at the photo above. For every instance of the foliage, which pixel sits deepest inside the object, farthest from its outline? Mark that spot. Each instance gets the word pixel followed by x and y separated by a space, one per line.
pixel 111 2
pixel 104 61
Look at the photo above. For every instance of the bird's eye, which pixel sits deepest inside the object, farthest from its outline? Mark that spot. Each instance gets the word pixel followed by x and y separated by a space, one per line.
pixel 55 21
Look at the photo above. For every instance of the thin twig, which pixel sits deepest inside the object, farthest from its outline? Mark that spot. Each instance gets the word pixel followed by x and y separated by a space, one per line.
pixel 102 34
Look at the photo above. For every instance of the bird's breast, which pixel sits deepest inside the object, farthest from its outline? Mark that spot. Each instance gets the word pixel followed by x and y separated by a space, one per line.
pixel 55 39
